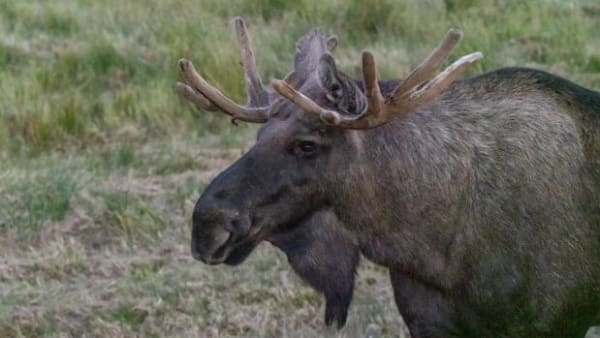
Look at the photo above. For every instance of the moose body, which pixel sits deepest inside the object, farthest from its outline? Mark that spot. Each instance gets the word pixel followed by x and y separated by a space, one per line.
pixel 489 225
pixel 480 196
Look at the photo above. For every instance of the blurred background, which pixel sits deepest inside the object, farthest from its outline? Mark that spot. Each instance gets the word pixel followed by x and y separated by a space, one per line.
pixel 101 162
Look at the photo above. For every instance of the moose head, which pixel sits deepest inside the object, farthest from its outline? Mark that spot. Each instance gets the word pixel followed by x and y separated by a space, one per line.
pixel 313 122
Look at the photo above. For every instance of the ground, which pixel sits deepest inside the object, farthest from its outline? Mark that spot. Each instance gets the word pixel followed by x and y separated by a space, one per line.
pixel 101 162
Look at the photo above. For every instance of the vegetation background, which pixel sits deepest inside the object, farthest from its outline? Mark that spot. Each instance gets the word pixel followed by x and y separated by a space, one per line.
pixel 101 162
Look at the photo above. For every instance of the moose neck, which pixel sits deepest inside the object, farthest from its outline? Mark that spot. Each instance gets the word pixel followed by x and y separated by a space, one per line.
pixel 406 184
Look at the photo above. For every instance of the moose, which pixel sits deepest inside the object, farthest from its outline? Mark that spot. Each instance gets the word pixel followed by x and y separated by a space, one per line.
pixel 481 195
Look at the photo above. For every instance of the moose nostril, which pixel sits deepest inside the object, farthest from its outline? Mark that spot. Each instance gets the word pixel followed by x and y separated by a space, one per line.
pixel 220 194
pixel 239 226
pixel 235 224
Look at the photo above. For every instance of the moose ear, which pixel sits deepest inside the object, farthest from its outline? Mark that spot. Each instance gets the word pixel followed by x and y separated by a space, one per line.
pixel 329 79
pixel 340 89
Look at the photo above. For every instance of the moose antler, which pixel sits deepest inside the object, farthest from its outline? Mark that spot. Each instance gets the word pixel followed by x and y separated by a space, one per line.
pixel 417 89
pixel 197 90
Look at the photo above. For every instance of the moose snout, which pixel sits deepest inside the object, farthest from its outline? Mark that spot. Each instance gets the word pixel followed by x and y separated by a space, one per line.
pixel 215 229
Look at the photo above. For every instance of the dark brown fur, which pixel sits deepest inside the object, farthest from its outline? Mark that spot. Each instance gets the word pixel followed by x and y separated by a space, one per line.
pixel 483 204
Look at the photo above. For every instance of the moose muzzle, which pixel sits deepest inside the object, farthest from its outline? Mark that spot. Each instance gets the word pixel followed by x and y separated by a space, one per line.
pixel 216 229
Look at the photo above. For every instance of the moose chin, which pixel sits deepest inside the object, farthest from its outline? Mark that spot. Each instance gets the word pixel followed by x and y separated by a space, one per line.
pixel 480 195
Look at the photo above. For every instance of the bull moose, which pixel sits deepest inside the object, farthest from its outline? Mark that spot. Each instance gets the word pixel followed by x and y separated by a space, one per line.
pixel 480 195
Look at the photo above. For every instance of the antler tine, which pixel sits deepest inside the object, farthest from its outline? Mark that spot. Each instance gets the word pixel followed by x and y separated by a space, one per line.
pixel 254 88
pixel 286 90
pixel 195 97
pixel 238 112
pixel 426 69
pixel 442 81
pixel 373 94
pixel 196 89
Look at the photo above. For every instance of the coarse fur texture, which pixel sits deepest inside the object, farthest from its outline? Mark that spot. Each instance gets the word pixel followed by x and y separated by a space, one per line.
pixel 483 203
pixel 495 213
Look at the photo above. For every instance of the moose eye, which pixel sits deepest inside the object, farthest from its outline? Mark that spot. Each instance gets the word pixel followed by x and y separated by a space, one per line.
pixel 306 148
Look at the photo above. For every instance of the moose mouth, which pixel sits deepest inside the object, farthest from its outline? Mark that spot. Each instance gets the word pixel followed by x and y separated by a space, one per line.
pixel 236 248
pixel 233 251
pixel 221 253
pixel 240 253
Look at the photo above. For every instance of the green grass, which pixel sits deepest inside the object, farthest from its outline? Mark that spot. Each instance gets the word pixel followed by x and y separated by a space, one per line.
pixel 30 198
pixel 101 163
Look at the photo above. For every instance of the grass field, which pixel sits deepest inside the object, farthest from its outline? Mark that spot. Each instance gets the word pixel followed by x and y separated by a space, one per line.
pixel 101 162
